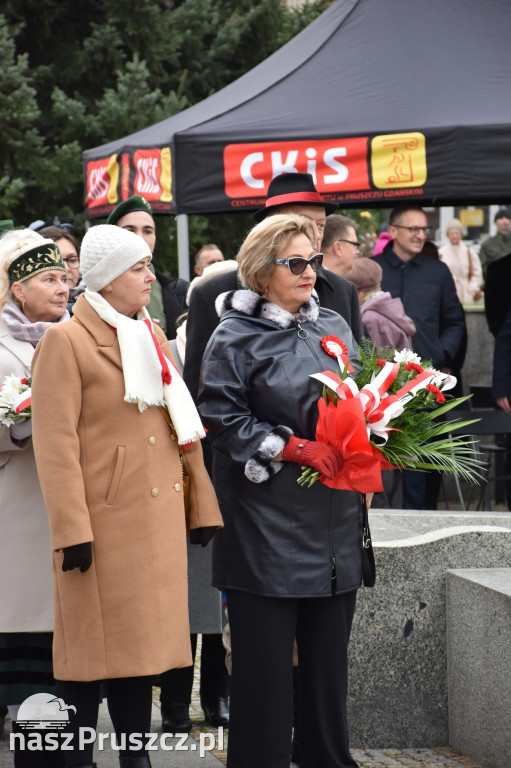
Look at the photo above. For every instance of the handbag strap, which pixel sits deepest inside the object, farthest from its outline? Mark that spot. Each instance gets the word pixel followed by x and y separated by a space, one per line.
pixel 366 533
pixel 470 272
pixel 368 564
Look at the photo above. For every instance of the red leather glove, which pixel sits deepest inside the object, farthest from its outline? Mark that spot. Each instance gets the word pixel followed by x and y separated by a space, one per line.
pixel 309 453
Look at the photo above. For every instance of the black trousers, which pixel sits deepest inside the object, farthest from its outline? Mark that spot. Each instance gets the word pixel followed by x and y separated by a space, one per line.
pixel 176 684
pixel 129 704
pixel 261 713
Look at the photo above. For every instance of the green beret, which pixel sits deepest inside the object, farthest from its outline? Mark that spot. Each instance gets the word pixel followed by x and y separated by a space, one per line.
pixel 6 225
pixel 133 203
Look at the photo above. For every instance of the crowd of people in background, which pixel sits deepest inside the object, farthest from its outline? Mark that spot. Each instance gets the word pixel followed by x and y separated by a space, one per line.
pixel 127 364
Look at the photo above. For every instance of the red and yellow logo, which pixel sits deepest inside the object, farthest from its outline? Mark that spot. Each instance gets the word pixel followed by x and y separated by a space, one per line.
pixel 153 174
pixel 398 160
pixel 102 181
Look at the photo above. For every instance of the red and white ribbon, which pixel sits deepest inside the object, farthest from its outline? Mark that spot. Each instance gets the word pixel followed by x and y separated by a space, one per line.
pixel 378 406
pixel 22 401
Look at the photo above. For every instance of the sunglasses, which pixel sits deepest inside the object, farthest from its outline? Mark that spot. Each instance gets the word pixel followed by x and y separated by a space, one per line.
pixel 297 265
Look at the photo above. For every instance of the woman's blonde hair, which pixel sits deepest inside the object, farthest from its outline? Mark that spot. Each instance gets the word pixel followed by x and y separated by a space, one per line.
pixel 256 257
pixel 10 242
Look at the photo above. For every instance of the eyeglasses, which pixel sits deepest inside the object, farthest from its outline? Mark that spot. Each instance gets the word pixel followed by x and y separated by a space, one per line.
pixel 414 230
pixel 297 265
pixel 73 262
pixel 354 243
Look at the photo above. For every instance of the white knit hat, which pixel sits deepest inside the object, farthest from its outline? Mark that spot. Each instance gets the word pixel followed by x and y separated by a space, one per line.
pixel 454 224
pixel 107 251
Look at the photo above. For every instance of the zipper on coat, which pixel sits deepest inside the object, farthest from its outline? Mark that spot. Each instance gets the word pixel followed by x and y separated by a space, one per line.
pixel 303 334
pixel 333 577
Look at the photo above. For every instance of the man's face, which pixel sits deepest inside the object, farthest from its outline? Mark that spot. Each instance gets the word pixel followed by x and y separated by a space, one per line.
pixel 315 213
pixel 140 223
pixel 503 224
pixel 409 234
pixel 345 251
pixel 208 256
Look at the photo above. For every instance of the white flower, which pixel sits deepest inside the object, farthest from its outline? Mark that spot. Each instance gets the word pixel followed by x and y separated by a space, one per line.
pixel 4 419
pixel 406 356
pixel 9 398
pixel 11 388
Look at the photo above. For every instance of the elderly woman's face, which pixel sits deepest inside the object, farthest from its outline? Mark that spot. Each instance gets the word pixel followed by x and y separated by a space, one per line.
pixel 43 297
pixel 285 289
pixel 132 290
pixel 454 236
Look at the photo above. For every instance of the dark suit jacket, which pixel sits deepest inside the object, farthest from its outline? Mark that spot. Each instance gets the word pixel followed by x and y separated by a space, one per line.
pixel 173 291
pixel 502 360
pixel 334 292
pixel 426 288
pixel 497 299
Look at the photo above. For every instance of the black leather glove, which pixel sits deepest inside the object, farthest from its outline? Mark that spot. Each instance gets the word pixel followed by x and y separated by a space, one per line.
pixel 77 556
pixel 202 536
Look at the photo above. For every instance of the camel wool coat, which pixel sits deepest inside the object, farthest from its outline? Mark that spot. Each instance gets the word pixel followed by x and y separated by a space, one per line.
pixel 112 476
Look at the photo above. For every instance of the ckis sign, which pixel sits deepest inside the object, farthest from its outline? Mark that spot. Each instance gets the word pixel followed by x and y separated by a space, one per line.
pixel 356 168
pixel 335 164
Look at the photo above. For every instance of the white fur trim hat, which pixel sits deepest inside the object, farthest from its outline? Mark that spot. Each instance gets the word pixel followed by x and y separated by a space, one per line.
pixel 107 251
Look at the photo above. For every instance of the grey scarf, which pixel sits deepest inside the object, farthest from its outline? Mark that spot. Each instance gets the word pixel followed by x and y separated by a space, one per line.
pixel 21 328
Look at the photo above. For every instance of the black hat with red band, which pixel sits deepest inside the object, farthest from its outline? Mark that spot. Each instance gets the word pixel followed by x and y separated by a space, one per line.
pixel 293 189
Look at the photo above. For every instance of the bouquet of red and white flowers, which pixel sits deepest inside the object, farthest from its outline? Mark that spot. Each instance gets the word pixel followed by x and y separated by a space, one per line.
pixel 15 399
pixel 386 416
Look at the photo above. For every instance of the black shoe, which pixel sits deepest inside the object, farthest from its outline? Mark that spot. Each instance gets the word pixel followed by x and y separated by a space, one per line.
pixel 37 758
pixel 216 712
pixel 175 719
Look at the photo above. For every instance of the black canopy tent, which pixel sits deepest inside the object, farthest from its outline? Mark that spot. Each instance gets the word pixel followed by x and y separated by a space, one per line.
pixel 384 101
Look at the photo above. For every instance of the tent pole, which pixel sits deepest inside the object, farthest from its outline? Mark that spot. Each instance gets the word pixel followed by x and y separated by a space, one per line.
pixel 492 229
pixel 183 261
pixel 445 214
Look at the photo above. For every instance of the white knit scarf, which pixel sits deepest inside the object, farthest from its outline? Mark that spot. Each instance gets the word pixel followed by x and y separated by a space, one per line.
pixel 143 373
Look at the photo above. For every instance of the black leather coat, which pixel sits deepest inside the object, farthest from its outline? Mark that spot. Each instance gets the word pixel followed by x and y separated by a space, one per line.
pixel 279 539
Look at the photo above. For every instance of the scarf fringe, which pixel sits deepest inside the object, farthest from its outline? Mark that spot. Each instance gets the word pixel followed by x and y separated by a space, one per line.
pixel 142 402
pixel 186 444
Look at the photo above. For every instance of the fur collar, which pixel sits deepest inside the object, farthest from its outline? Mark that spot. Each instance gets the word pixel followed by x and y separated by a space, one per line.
pixel 251 304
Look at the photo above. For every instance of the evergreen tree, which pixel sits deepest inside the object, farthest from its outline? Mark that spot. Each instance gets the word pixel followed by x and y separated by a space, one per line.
pixel 78 74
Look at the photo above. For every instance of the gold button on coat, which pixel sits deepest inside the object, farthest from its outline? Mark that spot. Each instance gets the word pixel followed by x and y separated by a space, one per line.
pixel 155 492
pixel 151 440
pixel 177 487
